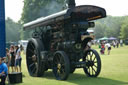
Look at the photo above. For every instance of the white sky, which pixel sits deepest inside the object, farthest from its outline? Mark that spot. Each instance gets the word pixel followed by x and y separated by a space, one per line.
pixel 13 8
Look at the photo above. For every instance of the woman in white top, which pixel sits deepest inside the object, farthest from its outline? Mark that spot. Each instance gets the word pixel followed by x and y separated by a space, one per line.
pixel 18 59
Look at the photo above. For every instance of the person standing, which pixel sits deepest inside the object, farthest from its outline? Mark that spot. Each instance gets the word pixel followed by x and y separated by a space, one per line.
pixel 7 58
pixel 117 43
pixel 102 51
pixel 121 42
pixel 109 47
pixel 3 72
pixel 18 59
pixel 113 43
pixel 12 54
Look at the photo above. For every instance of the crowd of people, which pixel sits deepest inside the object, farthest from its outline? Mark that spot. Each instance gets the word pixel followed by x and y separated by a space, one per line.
pixel 104 44
pixel 13 59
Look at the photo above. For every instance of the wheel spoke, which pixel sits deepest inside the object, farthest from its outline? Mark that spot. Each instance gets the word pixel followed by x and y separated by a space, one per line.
pixel 87 58
pixel 63 70
pixel 32 52
pixel 55 62
pixel 91 54
pixel 62 65
pixel 29 57
pixel 89 70
pixel 32 46
pixel 62 73
pixel 94 59
pixel 58 70
pixel 87 67
pixel 58 58
pixel 90 58
pixel 93 69
pixel 31 65
pixel 33 70
pixel 95 65
pixel 61 61
pixel 59 73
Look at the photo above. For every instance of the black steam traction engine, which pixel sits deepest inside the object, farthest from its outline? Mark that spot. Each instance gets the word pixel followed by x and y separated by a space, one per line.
pixel 60 42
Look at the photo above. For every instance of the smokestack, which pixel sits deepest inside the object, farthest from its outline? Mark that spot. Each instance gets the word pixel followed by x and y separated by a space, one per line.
pixel 71 3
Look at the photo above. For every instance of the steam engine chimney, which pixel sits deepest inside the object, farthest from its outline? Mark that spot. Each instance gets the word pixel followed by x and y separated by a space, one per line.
pixel 71 3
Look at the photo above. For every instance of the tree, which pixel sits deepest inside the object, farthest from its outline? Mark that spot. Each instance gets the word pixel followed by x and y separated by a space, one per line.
pixel 111 25
pixel 12 31
pixel 99 30
pixel 124 29
pixel 34 9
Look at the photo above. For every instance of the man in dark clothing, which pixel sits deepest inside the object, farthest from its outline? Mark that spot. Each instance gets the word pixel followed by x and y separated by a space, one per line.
pixel 3 72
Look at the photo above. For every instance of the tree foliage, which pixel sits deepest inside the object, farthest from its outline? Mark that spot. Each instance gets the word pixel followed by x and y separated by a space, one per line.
pixel 12 31
pixel 124 29
pixel 108 27
pixel 34 9
pixel 99 30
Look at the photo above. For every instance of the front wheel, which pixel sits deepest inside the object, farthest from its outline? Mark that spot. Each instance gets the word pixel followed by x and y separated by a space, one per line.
pixel 61 65
pixel 93 63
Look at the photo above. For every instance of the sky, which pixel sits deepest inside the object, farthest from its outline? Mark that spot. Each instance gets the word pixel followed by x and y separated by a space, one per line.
pixel 13 8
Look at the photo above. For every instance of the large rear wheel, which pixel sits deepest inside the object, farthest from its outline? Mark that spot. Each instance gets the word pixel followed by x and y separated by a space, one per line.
pixel 93 63
pixel 33 58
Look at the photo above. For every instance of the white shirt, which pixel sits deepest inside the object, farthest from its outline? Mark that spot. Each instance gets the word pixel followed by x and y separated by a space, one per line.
pixel 107 45
pixel 18 54
pixel 121 41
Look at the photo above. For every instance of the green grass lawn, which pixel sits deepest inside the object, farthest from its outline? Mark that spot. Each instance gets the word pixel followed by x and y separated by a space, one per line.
pixel 114 72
